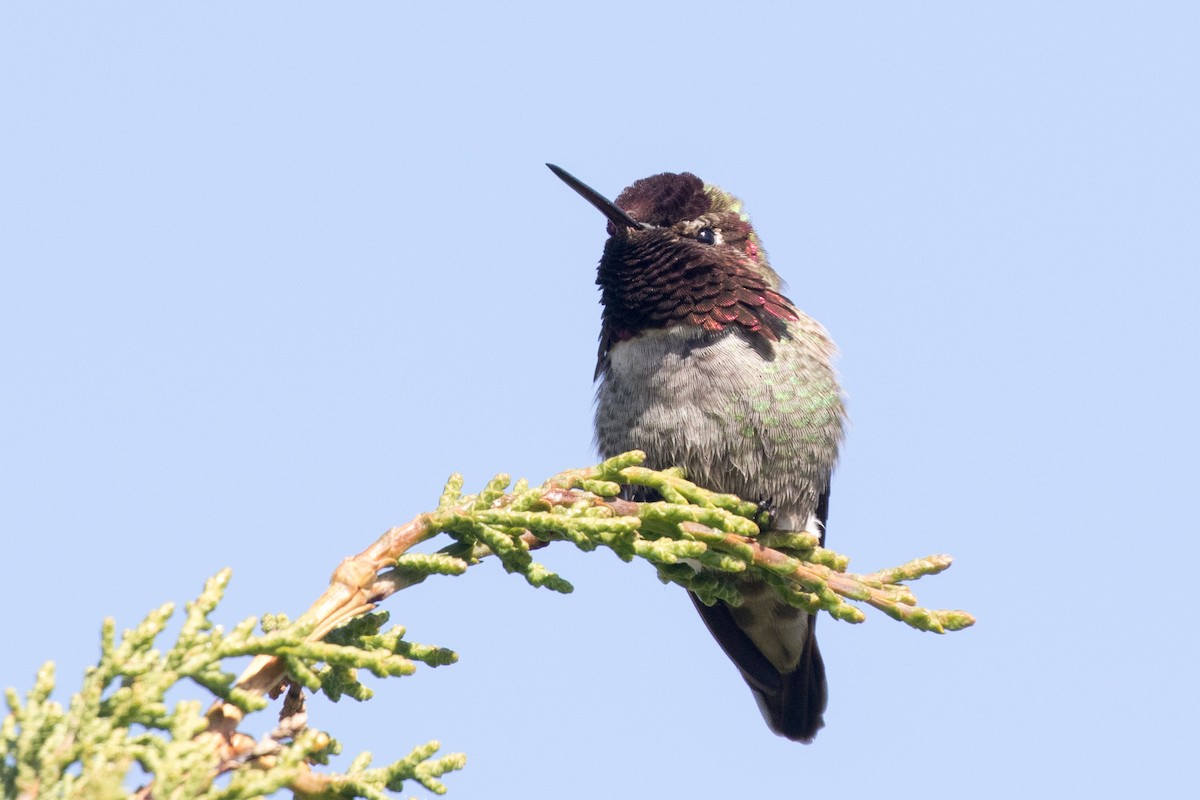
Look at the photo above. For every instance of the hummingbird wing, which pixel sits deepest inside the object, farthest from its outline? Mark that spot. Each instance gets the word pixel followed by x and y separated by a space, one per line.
pixel 792 702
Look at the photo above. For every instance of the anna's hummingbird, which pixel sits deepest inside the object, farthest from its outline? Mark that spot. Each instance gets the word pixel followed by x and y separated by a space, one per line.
pixel 705 365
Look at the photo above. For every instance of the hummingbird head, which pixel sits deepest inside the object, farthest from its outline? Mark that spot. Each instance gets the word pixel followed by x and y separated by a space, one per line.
pixel 681 252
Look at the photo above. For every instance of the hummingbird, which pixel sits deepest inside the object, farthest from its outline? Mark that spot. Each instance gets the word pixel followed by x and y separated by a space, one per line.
pixel 705 364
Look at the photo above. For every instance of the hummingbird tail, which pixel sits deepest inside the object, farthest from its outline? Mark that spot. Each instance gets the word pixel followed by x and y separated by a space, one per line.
pixel 796 711
pixel 792 703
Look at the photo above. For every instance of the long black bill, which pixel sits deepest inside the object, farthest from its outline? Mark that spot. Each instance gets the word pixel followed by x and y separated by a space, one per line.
pixel 620 220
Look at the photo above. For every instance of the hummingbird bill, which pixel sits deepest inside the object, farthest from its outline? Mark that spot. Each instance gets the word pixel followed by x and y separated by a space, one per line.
pixel 705 364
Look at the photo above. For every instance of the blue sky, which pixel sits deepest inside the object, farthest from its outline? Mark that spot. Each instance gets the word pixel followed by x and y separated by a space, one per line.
pixel 270 272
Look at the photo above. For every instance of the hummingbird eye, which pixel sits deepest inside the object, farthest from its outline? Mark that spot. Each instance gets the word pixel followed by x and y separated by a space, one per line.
pixel 706 236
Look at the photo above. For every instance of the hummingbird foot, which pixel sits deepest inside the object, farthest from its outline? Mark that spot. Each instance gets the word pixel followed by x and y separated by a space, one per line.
pixel 766 513
pixel 640 494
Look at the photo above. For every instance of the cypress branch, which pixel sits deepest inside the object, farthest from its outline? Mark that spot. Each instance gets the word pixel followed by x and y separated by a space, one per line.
pixel 702 540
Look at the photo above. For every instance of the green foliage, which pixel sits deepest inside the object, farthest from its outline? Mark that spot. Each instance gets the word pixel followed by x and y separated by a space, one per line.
pixel 119 720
